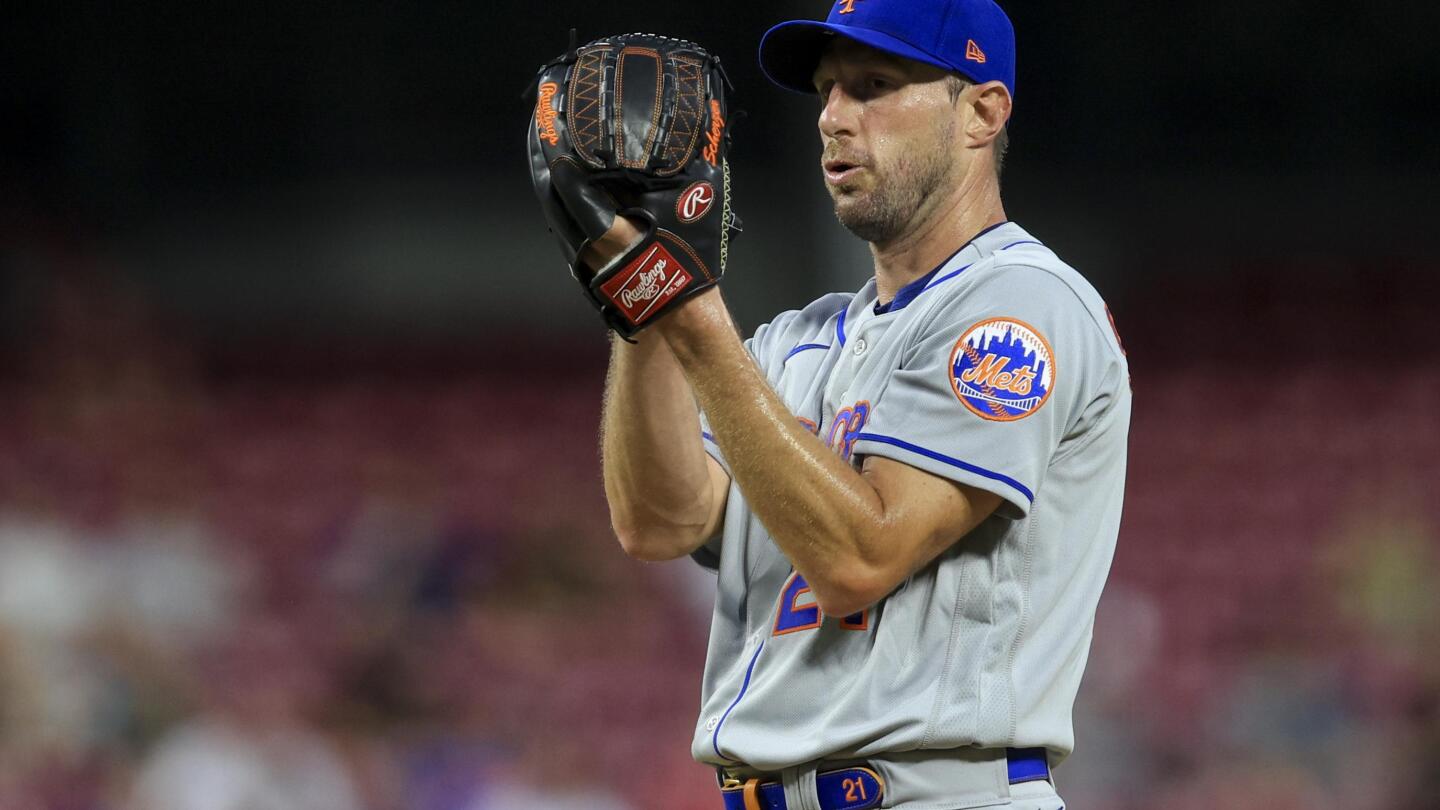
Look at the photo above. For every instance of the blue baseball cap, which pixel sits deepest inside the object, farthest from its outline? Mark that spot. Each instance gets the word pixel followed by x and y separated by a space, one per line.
pixel 971 37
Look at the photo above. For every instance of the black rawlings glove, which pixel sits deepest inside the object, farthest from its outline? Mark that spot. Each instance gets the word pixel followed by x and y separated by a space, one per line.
pixel 636 125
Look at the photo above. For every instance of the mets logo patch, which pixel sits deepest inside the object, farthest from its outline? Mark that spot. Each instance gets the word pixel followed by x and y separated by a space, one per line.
pixel 1002 369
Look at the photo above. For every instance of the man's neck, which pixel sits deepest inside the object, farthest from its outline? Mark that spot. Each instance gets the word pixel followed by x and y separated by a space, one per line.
pixel 970 208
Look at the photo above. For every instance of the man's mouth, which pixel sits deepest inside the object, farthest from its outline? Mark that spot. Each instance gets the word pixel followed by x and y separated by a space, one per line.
pixel 838 172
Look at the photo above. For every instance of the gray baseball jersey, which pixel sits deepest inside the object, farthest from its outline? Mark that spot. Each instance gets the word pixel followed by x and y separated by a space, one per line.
pixel 1000 370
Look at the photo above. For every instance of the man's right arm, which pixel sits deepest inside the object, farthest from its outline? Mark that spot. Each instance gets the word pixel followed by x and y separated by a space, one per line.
pixel 667 495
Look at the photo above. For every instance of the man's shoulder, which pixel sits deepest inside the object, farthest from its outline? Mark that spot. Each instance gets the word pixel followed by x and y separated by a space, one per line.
pixel 1038 257
pixel 1026 263
pixel 812 323
pixel 1025 281
pixel 821 311
pixel 1027 272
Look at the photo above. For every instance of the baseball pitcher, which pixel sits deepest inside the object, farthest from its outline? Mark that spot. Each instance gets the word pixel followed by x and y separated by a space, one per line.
pixel 910 493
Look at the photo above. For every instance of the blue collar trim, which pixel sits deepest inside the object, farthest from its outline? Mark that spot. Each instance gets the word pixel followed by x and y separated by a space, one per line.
pixel 907 293
pixel 910 291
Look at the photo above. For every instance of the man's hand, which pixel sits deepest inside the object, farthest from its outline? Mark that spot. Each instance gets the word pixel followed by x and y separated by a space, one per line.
pixel 635 126
pixel 622 237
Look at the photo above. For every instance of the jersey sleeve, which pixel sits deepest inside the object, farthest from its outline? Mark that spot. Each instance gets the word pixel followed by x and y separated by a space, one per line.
pixel 988 384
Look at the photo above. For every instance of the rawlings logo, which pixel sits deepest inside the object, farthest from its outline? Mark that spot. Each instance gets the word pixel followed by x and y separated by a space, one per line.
pixel 695 203
pixel 717 131
pixel 646 284
pixel 545 114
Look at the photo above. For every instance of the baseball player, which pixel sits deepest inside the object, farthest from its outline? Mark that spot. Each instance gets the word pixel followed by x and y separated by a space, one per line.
pixel 910 493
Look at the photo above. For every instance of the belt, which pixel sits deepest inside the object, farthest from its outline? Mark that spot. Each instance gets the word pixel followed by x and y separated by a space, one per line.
pixel 845 789
pixel 862 788
pixel 1027 764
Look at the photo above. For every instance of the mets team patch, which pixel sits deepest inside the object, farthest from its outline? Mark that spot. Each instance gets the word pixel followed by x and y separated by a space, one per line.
pixel 1002 369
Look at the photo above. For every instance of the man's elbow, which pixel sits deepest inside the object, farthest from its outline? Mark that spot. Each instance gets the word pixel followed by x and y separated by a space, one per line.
pixel 655 545
pixel 848 593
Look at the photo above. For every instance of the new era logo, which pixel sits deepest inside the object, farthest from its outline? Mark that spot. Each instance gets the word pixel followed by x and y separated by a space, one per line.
pixel 973 52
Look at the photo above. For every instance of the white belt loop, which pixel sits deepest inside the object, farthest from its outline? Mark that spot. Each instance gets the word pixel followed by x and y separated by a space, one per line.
pixel 800 791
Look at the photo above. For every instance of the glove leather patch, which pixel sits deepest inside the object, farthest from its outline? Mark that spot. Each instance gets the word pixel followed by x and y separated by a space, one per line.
pixel 586 129
pixel 643 286
pixel 689 112
pixel 639 83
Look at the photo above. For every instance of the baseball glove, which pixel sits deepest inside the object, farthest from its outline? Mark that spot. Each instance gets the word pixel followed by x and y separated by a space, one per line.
pixel 635 125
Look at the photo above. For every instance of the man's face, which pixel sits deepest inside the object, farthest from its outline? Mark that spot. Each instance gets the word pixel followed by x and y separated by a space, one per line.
pixel 888 127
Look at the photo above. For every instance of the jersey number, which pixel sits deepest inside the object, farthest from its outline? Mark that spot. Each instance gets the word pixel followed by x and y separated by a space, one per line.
pixel 854 790
pixel 846 428
pixel 794 616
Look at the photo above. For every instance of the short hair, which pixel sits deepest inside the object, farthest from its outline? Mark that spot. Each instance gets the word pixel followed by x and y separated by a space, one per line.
pixel 956 86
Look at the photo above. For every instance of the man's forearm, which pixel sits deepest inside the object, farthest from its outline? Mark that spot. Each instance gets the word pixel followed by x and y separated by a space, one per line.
pixel 656 470
pixel 820 511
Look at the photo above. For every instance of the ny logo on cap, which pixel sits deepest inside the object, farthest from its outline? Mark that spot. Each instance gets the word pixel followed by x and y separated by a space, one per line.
pixel 848 6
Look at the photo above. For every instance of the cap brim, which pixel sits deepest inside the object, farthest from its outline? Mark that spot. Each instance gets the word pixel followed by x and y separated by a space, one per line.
pixel 790 52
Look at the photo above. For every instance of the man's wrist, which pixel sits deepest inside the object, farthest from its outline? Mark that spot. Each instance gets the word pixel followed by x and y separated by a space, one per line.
pixel 696 321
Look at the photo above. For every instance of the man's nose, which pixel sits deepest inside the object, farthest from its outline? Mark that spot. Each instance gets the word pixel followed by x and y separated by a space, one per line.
pixel 839 114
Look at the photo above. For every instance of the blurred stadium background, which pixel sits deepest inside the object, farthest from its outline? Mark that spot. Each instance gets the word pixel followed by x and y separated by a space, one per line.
pixel 299 496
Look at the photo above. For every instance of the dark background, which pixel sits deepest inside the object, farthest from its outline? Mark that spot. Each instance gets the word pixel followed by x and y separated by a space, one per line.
pixel 260 140
pixel 278 304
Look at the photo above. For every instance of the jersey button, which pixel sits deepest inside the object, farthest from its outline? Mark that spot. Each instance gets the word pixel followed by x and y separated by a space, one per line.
pixel 860 346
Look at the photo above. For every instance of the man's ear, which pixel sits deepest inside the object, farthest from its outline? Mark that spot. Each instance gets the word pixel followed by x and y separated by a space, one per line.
pixel 991 104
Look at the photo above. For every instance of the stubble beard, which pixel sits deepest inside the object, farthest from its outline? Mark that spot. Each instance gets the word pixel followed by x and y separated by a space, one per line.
pixel 901 188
